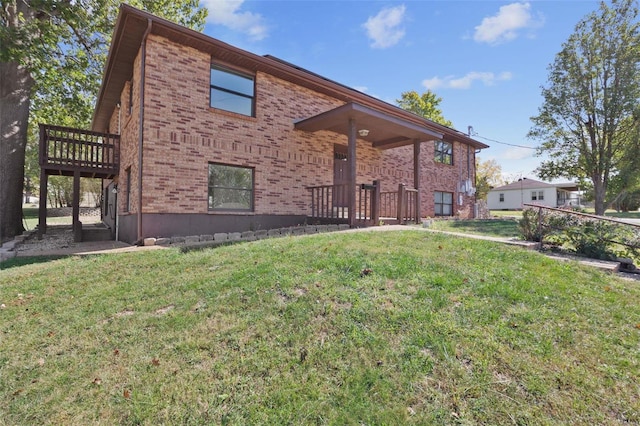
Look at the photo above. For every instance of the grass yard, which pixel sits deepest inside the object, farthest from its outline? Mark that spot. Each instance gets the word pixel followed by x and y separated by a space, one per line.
pixel 502 228
pixel 30 219
pixel 358 328
pixel 507 213
pixel 623 215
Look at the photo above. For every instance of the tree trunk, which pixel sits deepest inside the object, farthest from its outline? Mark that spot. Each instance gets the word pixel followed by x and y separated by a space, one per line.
pixel 15 93
pixel 599 196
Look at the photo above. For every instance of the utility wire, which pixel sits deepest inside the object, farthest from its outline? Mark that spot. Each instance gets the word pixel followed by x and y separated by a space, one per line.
pixel 502 143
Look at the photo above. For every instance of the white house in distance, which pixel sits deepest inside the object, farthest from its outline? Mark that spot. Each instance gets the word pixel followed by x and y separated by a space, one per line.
pixel 530 191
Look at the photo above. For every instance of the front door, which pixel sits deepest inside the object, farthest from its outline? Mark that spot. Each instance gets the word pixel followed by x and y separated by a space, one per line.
pixel 340 176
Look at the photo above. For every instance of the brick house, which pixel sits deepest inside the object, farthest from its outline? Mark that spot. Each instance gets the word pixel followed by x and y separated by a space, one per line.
pixel 213 138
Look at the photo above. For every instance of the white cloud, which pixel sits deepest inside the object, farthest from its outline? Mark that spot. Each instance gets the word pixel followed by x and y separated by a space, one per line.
pixel 385 29
pixel 505 25
pixel 451 82
pixel 516 153
pixel 227 13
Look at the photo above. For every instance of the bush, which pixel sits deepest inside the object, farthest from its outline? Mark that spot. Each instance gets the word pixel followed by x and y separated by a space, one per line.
pixel 529 225
pixel 593 238
pixel 533 229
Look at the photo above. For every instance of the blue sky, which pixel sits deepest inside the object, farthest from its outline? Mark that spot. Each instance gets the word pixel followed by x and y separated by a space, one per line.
pixel 486 59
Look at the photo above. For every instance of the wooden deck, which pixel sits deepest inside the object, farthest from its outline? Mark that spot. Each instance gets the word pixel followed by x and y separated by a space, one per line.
pixel 67 151
pixel 79 153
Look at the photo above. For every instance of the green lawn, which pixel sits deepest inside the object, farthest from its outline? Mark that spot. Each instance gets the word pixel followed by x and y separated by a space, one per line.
pixel 503 228
pixel 346 328
pixel 624 215
pixel 507 213
pixel 30 215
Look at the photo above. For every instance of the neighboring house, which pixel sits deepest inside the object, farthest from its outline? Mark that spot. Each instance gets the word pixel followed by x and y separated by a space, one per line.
pixel 530 191
pixel 203 137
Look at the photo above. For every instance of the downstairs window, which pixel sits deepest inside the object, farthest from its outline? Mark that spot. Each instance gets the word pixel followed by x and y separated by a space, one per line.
pixel 443 203
pixel 230 188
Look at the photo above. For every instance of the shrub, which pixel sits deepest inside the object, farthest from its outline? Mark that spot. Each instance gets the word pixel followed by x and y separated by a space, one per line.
pixel 529 225
pixel 593 238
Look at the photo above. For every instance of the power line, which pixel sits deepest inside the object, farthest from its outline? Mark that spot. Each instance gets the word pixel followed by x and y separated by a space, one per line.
pixel 502 143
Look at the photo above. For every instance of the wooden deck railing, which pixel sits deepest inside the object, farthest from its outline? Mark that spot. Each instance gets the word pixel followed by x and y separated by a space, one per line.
pixel 65 150
pixel 371 205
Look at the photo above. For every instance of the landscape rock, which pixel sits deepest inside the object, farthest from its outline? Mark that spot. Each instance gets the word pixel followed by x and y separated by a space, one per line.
pixel 220 236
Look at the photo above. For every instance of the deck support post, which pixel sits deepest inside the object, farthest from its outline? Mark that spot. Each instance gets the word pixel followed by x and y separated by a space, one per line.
pixel 416 177
pixel 77 225
pixel 351 157
pixel 42 208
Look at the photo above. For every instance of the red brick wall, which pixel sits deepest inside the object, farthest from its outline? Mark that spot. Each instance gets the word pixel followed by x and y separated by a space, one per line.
pixel 182 134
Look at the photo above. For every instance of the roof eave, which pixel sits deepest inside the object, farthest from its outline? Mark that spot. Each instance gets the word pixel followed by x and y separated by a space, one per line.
pixel 107 96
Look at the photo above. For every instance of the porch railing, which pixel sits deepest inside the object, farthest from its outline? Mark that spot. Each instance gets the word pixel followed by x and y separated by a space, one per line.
pixel 67 150
pixel 371 205
pixel 401 204
pixel 330 201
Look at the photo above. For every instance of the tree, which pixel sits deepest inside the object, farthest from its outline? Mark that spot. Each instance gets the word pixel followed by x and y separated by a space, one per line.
pixel 624 185
pixel 589 114
pixel 425 105
pixel 488 175
pixel 51 56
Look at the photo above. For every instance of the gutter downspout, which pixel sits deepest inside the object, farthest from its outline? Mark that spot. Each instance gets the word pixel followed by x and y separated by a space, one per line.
pixel 116 186
pixel 143 55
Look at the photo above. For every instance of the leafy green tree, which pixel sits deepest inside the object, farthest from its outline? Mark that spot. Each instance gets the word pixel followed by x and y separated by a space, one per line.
pixel 51 58
pixel 488 175
pixel 587 119
pixel 624 186
pixel 425 105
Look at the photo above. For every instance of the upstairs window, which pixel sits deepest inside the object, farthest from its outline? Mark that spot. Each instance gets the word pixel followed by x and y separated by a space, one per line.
pixel 230 187
pixel 232 91
pixel 444 152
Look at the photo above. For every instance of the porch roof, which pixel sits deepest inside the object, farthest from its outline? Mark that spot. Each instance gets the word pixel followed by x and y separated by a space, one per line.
pixel 385 131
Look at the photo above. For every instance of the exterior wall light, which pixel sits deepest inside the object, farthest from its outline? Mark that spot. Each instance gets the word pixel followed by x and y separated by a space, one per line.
pixel 363 132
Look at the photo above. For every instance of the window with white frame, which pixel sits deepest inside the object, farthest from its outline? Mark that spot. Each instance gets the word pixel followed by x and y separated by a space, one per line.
pixel 230 187
pixel 540 195
pixel 502 198
pixel 443 203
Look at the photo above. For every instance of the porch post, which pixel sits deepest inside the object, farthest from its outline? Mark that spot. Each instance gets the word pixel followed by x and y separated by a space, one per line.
pixel 77 226
pixel 351 156
pixel 375 203
pixel 416 177
pixel 402 200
